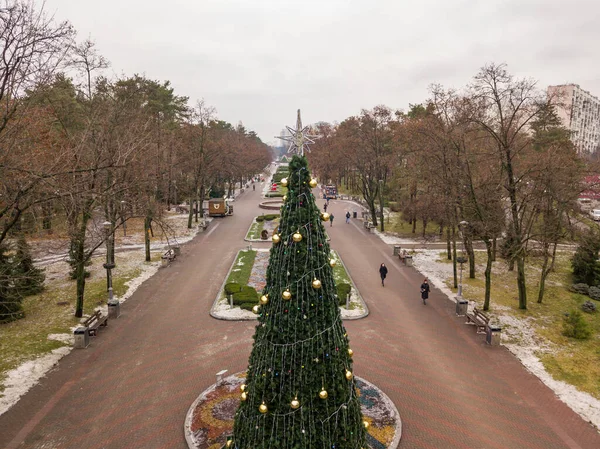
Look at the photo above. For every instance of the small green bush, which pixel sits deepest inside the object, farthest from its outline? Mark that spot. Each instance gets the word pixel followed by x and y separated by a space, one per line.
pixel 274 195
pixel 270 217
pixel 582 289
pixel 247 305
pixel 232 287
pixel 594 293
pixel 342 291
pixel 260 218
pixel 575 326
pixel 247 294
pixel 588 307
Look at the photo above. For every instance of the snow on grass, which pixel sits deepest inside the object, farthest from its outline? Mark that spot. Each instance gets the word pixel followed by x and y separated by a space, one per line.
pixel 21 379
pixel 518 335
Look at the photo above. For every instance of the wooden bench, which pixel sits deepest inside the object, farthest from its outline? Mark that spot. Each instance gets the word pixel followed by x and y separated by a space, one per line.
pixel 369 226
pixel 479 319
pixel 95 321
pixel 169 255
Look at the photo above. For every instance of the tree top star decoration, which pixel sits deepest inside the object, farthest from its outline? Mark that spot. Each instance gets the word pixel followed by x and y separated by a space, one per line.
pixel 299 139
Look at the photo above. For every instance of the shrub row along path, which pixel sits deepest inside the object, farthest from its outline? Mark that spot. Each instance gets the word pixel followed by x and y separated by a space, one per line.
pixel 132 387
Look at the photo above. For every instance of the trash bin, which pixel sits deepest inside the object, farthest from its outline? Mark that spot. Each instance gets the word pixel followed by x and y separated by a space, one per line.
pixel 177 250
pixel 354 214
pixel 493 334
pixel 408 261
pixel 82 338
pixel 165 261
pixel 461 306
pixel 114 310
pixel 396 250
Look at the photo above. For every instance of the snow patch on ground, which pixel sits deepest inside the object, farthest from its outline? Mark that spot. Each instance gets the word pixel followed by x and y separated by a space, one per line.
pixel 21 379
pixel 393 240
pixel 519 338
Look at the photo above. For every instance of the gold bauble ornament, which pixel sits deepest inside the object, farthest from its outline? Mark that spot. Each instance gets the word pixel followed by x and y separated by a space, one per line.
pixel 313 183
pixel 284 182
pixel 228 444
pixel 264 299
pixel 297 237
pixel 332 262
pixel 348 374
pixel 350 352
pixel 276 238
pixel 256 308
pixel 287 295
pixel 243 387
pixel 325 216
pixel 316 284
pixel 295 403
pixel 284 197
pixel 366 424
pixel 263 408
pixel 323 394
pixel 244 396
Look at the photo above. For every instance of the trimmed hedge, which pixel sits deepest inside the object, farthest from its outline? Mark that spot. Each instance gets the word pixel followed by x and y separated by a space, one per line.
pixel 342 292
pixel 247 306
pixel 232 287
pixel 267 217
pixel 247 294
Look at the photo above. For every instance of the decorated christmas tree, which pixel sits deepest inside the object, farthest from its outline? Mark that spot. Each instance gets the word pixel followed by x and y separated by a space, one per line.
pixel 299 391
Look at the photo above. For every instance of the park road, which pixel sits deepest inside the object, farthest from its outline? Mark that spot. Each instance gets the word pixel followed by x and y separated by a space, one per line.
pixel 133 386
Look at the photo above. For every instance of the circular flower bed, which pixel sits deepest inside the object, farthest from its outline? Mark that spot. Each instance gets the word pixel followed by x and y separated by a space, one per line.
pixel 210 418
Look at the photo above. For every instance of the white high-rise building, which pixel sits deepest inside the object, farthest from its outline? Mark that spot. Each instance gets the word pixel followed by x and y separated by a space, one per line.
pixel 579 112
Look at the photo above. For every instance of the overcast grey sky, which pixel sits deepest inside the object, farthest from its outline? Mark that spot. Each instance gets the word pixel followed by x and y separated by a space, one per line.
pixel 259 61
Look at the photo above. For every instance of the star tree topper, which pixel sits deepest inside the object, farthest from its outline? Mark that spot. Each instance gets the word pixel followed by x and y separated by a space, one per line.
pixel 299 138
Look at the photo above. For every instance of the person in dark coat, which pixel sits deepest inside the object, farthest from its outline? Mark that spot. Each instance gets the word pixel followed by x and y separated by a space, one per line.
pixel 424 291
pixel 325 207
pixel 330 220
pixel 383 273
pixel 348 217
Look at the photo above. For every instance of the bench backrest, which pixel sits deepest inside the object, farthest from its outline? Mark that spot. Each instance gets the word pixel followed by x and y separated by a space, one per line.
pixel 481 315
pixel 93 318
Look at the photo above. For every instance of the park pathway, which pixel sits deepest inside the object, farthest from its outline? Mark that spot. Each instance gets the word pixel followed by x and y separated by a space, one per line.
pixel 133 386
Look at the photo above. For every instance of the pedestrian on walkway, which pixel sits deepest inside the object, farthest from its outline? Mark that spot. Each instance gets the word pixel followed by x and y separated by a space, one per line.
pixel 383 273
pixel 348 217
pixel 325 207
pixel 253 186
pixel 424 291
pixel 331 220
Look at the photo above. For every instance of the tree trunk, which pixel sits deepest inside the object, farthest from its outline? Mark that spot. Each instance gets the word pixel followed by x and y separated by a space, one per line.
pixel 191 213
pixel 547 267
pixel 494 247
pixel 488 273
pixel 147 230
pixel 448 243
pixel 471 253
pixel 424 226
pixel 521 282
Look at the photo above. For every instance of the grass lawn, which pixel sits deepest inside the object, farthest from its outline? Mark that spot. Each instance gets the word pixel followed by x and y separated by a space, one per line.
pixel 401 227
pixel 576 362
pixel 242 267
pixel 51 312
pixel 255 229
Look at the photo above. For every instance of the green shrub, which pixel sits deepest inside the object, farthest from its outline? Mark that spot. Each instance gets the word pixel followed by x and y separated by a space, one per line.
pixel 586 268
pixel 575 326
pixel 594 293
pixel 247 305
pixel 588 307
pixel 582 289
pixel 232 287
pixel 274 195
pixel 260 218
pixel 342 292
pixel 270 217
pixel 247 294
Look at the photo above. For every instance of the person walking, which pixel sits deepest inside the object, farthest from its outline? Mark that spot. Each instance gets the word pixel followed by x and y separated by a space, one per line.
pixel 383 273
pixel 348 217
pixel 330 220
pixel 325 207
pixel 424 291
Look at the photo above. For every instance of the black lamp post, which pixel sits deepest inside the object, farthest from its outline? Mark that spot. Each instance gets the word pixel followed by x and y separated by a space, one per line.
pixel 114 306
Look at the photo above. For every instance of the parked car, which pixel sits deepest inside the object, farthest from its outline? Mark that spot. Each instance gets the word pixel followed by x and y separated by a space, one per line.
pixel 596 214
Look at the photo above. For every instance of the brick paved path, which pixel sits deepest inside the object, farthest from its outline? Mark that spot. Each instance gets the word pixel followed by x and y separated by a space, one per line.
pixel 133 386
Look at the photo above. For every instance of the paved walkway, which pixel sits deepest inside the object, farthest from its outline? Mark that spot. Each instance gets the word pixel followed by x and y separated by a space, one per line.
pixel 133 386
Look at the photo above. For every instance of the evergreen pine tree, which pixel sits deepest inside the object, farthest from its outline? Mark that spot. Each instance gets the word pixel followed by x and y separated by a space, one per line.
pixel 10 301
pixel 28 279
pixel 585 264
pixel 299 390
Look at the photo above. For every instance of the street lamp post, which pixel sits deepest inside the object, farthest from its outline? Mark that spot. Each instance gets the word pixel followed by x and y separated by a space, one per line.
pixel 114 306
pixel 461 259
pixel 123 204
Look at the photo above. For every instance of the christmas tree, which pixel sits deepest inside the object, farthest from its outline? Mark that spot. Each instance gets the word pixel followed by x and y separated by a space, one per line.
pixel 299 391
